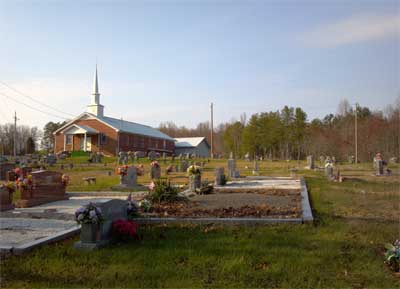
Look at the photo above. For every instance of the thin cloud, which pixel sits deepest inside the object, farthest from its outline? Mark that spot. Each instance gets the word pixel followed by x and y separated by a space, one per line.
pixel 356 29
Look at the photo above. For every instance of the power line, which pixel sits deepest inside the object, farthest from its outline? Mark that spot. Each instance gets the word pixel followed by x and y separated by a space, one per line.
pixel 35 100
pixel 31 107
pixel 5 115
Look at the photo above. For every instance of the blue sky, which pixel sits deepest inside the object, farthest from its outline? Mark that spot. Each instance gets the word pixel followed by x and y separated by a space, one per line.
pixel 167 60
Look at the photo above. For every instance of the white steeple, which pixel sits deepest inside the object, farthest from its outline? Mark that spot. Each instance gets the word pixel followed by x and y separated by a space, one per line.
pixel 95 107
pixel 96 94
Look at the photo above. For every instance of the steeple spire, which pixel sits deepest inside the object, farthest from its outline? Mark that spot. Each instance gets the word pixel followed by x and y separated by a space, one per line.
pixel 96 94
pixel 95 107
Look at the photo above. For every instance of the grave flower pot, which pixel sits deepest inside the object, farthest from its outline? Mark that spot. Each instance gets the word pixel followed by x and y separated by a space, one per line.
pixel 89 232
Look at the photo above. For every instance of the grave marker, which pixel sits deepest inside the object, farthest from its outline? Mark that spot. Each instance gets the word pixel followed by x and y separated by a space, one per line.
pixel 310 162
pixel 47 187
pixel 111 211
pixel 130 179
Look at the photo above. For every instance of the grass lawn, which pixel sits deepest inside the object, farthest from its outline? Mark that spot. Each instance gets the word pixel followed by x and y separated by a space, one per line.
pixel 343 248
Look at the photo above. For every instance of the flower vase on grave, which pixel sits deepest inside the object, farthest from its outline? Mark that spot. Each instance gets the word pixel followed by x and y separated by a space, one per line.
pixel 89 232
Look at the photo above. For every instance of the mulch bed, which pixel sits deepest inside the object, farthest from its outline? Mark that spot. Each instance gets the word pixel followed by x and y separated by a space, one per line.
pixel 186 209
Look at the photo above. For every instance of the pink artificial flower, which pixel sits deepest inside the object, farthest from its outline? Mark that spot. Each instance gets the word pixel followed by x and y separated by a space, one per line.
pixel 152 186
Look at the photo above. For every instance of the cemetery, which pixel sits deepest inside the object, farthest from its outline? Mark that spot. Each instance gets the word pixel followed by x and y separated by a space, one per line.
pixel 221 198
pixel 220 144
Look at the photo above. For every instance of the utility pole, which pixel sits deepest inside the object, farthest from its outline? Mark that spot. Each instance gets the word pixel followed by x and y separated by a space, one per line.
pixel 212 131
pixel 355 135
pixel 15 134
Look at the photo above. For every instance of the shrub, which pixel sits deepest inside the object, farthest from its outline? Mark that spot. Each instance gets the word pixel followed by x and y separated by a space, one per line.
pixel 145 205
pixel 163 191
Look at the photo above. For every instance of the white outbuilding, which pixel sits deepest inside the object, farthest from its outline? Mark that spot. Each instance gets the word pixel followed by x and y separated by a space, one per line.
pixel 193 145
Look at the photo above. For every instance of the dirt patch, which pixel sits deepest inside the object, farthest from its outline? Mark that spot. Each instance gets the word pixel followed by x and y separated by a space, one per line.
pixel 233 205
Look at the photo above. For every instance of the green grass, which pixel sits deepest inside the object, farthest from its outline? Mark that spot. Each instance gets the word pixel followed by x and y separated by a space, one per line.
pixel 343 248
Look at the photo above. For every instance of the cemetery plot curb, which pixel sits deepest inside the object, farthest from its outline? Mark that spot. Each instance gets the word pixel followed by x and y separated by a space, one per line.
pixel 305 203
pixel 227 221
pixel 306 217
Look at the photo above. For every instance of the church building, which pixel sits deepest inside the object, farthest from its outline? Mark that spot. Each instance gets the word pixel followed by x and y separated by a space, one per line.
pixel 92 131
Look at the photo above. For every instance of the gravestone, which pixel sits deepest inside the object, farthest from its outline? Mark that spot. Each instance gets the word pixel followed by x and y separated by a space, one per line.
pixel 256 170
pixel 329 171
pixel 322 161
pixel 131 156
pixel 139 155
pixel 122 158
pixel 152 155
pixel 184 166
pixel 220 178
pixel 112 210
pixel 4 168
pixel 99 157
pixel 11 176
pixel 310 162
pixel 50 159
pixel 130 179
pixel 47 187
pixel 379 167
pixel 231 167
pixel 5 199
pixel 194 182
pixel 155 172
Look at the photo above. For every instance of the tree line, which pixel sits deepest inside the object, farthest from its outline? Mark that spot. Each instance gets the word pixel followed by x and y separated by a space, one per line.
pixel 287 133
pixel 283 134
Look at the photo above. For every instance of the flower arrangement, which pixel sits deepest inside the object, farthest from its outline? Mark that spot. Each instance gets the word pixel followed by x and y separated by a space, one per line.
pixel 24 183
pixel 393 255
pixel 18 172
pixel 125 229
pixel 122 170
pixel 10 187
pixel 89 214
pixel 140 170
pixel 152 186
pixel 155 164
pixel 132 207
pixel 65 180
pixel 193 170
pixel 145 205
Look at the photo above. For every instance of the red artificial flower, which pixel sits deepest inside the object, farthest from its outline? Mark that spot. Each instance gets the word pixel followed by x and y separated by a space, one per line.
pixel 125 228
